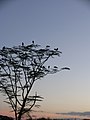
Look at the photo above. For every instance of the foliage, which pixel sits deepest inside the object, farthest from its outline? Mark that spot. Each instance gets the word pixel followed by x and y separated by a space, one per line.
pixel 20 67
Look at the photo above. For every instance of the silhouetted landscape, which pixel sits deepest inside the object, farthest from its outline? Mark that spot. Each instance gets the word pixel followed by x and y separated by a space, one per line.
pixel 5 118
pixel 2 117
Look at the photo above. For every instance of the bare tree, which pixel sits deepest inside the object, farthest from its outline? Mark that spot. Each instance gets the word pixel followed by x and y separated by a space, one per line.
pixel 20 67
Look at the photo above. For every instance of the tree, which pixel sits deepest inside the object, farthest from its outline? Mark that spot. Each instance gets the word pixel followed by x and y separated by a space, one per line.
pixel 20 67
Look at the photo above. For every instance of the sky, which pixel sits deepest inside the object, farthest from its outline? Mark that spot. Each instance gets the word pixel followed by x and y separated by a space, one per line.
pixel 59 23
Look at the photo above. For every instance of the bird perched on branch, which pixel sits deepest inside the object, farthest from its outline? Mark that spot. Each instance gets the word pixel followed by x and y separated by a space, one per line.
pixel 33 41
pixel 22 44
pixel 55 67
pixel 56 49
pixel 3 48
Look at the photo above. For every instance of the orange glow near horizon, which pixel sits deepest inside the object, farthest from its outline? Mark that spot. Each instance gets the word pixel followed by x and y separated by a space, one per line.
pixel 45 115
pixel 56 116
pixel 6 113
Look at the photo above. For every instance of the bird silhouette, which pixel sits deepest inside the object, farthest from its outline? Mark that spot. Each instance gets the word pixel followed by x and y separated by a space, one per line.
pixel 33 41
pixel 48 66
pixel 56 49
pixel 22 44
pixel 55 67
pixel 3 48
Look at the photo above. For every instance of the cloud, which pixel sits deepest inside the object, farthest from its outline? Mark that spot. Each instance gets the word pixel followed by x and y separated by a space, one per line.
pixel 86 114
pixel 70 115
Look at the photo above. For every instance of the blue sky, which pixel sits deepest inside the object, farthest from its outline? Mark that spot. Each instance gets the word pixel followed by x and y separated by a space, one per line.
pixel 59 23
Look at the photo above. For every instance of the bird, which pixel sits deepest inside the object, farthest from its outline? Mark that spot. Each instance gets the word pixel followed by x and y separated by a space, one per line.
pixel 48 66
pixel 65 68
pixel 56 49
pixel 55 67
pixel 22 44
pixel 33 41
pixel 3 48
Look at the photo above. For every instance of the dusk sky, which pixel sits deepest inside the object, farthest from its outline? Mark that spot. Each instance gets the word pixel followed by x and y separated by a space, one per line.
pixel 59 23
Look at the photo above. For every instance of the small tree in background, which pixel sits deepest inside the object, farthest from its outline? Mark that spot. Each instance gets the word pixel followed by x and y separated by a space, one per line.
pixel 20 67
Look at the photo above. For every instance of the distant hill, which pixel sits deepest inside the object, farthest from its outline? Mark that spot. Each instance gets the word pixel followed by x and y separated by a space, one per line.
pixel 76 113
pixel 5 118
